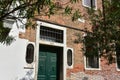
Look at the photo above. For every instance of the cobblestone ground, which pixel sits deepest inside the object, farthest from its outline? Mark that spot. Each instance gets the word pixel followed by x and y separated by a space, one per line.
pixel 83 76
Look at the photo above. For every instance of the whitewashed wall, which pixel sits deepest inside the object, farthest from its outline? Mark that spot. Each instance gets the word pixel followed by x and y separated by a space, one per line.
pixel 12 58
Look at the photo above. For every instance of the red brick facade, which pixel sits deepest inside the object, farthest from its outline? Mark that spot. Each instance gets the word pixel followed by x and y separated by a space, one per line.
pixel 108 72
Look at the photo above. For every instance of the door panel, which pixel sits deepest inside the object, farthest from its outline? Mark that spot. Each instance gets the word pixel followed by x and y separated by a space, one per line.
pixel 52 66
pixel 42 65
pixel 47 68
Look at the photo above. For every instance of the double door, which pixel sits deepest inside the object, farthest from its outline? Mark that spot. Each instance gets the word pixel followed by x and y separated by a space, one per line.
pixel 47 66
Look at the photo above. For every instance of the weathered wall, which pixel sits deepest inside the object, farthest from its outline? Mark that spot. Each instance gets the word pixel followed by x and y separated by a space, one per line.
pixel 107 72
pixel 12 57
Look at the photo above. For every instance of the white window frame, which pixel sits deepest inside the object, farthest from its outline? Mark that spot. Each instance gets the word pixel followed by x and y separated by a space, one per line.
pixel 89 6
pixel 71 67
pixel 54 27
pixel 91 68
pixel 85 34
pixel 31 65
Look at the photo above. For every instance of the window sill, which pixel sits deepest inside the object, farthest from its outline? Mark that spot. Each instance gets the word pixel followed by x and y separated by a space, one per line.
pixel 92 68
pixel 118 69
pixel 95 8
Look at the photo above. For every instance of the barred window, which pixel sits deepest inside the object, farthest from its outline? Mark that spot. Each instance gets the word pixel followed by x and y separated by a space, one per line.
pixel 50 34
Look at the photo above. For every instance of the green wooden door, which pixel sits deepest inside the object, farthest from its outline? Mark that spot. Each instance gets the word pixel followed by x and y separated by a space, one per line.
pixel 47 69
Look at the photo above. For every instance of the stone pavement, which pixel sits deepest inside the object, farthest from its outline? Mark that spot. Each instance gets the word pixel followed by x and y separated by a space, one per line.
pixel 83 76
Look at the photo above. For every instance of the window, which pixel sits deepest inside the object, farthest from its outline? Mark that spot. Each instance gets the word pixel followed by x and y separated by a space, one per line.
pixel 89 3
pixel 118 55
pixel 30 53
pixel 50 34
pixel 118 60
pixel 70 57
pixel 91 53
pixel 92 62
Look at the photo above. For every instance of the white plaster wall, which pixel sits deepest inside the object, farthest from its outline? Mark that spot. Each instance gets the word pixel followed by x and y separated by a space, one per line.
pixel 12 57
pixel 12 60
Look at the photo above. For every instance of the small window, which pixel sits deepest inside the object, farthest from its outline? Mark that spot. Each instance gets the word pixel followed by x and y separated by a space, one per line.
pixel 30 53
pixel 89 3
pixel 92 62
pixel 70 57
pixel 118 60
pixel 118 55
pixel 91 58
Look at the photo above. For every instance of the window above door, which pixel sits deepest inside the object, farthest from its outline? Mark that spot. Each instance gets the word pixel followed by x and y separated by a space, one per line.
pixel 50 34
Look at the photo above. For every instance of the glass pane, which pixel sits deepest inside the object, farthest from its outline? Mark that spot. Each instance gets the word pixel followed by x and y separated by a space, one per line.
pixel 69 57
pixel 118 55
pixel 118 61
pixel 93 3
pixel 30 53
pixel 87 3
pixel 92 62
pixel 50 34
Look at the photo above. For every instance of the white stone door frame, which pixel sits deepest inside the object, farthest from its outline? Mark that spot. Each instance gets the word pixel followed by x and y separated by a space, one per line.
pixel 38 41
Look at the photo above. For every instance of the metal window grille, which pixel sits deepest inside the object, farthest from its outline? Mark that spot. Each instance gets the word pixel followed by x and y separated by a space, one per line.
pixel 50 34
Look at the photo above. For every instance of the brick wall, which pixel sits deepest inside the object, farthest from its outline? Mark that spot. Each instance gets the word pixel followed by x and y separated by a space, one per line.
pixel 29 34
pixel 108 72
